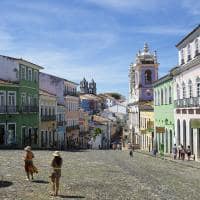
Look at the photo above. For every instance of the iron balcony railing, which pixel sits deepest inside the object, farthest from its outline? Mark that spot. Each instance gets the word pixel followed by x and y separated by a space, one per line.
pixel 68 128
pixel 187 102
pixel 8 109
pixel 48 117
pixel 61 123
pixel 29 109
pixel 5 109
pixel 70 93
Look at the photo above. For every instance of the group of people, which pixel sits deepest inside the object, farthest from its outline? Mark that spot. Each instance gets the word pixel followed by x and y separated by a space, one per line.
pixel 181 151
pixel 56 165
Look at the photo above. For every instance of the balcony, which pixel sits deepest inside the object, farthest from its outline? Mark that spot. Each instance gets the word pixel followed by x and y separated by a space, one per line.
pixel 70 128
pixel 188 102
pixel 8 109
pixel 29 109
pixel 70 93
pixel 61 123
pixel 48 117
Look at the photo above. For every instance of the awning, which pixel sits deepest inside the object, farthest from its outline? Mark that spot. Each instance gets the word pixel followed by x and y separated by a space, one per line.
pixel 195 123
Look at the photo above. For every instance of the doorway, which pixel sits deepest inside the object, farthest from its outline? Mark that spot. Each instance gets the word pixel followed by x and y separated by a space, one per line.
pixel 2 134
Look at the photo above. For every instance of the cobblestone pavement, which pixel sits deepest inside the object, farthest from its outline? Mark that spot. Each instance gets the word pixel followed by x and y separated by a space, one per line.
pixel 101 175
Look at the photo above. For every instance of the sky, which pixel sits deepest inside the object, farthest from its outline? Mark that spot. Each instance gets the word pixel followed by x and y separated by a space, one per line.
pixel 96 39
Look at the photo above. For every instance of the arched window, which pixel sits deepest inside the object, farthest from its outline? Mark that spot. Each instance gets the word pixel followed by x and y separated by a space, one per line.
pixel 198 86
pixel 170 95
pixel 148 76
pixel 190 88
pixel 155 98
pixel 188 52
pixel 182 57
pixel 178 91
pixel 161 96
pixel 166 97
pixel 158 98
pixel 183 90
pixel 196 47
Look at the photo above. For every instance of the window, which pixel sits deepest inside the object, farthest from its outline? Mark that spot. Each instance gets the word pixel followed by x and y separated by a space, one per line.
pixel 166 96
pixel 155 98
pixel 183 90
pixel 196 47
pixel 190 88
pixel 23 99
pixel 11 98
pixel 11 133
pixel 148 76
pixel 162 97
pixel 170 95
pixel 188 52
pixel 178 91
pixel 35 76
pixel 2 98
pixel 198 86
pixel 23 73
pixel 182 57
pixel 158 98
pixel 30 74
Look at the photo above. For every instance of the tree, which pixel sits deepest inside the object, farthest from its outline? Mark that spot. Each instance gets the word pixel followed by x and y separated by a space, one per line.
pixel 97 131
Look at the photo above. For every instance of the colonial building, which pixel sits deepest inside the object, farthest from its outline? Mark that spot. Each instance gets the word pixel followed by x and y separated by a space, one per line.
pixel 19 102
pixel 164 113
pixel 147 126
pixel 48 137
pixel 66 94
pixel 142 74
pixel 187 92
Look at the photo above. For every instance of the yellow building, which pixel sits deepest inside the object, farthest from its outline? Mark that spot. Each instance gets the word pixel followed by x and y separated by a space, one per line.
pixel 147 129
pixel 48 137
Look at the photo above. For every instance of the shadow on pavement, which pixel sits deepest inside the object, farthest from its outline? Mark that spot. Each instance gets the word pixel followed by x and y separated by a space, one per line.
pixel 5 184
pixel 40 181
pixel 71 197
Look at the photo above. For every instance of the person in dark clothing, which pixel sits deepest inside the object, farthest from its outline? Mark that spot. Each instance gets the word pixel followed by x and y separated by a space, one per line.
pixel 131 153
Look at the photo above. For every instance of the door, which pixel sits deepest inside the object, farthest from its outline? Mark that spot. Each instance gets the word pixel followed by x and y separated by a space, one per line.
pixel 2 134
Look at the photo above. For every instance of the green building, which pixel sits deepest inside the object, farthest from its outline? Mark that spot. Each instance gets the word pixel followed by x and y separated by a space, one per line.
pixel 19 103
pixel 164 114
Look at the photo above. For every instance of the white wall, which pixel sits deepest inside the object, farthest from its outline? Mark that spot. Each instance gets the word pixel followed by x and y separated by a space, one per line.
pixel 8 68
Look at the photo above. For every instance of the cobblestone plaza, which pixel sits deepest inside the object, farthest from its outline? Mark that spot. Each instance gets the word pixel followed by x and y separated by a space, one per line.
pixel 100 175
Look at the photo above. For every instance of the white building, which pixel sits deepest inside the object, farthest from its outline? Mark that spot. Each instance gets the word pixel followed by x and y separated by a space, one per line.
pixel 187 92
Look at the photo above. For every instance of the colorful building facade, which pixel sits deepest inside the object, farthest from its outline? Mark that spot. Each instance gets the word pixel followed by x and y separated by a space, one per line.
pixel 164 113
pixel 19 94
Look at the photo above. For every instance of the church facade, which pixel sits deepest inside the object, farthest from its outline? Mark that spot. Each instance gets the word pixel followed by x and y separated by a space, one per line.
pixel 88 88
pixel 142 74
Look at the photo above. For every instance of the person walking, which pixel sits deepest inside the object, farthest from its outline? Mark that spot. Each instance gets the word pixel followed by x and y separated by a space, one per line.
pixel 56 165
pixel 131 153
pixel 188 151
pixel 182 152
pixel 28 163
pixel 174 150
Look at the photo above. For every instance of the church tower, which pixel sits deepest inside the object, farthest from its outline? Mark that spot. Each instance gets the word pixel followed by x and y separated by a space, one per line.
pixel 92 87
pixel 142 74
pixel 84 87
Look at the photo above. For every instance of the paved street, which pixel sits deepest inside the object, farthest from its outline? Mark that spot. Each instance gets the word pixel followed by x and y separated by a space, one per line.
pixel 100 175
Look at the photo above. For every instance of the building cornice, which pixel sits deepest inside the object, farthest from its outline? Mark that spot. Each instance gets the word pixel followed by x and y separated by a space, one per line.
pixel 162 80
pixel 181 68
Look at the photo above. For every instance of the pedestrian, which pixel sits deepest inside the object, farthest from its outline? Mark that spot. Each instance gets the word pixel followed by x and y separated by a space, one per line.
pixel 174 150
pixel 179 151
pixel 56 164
pixel 28 161
pixel 131 153
pixel 182 152
pixel 188 151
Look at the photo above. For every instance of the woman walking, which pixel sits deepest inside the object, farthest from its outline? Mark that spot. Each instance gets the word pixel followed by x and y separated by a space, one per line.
pixel 56 164
pixel 28 160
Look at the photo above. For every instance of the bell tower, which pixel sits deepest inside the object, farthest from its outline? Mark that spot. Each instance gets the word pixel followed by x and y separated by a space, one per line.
pixel 142 74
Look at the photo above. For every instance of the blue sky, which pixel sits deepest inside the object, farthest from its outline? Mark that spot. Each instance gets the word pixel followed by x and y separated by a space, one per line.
pixel 95 38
